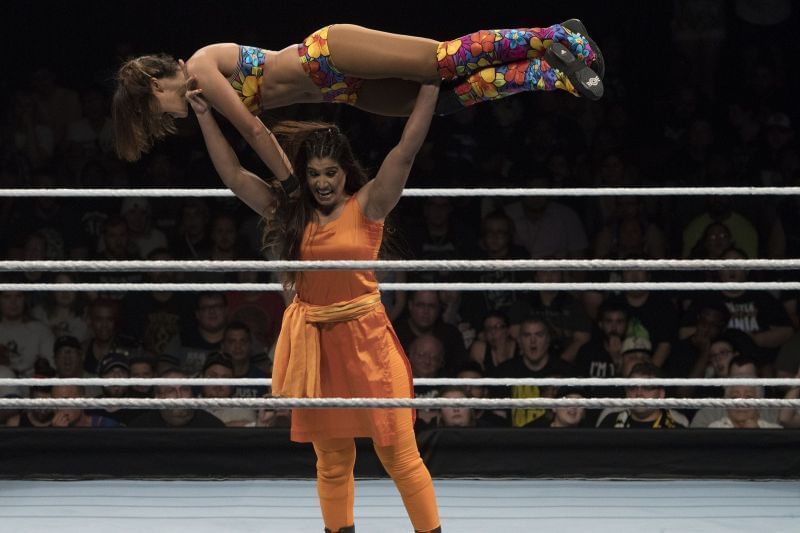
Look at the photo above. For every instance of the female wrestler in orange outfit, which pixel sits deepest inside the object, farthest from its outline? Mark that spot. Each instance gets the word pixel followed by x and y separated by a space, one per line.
pixel 373 70
pixel 336 340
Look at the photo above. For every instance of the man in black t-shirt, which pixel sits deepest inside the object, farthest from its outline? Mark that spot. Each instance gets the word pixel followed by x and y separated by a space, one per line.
pixel 179 417
pixel 533 361
pixel 643 417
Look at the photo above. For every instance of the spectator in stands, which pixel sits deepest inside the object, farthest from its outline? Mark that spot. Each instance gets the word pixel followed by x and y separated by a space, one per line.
pixel 35 248
pixel 534 361
pixel 219 366
pixel 156 317
pixel 424 316
pixel 563 417
pixel 691 355
pixel 483 417
pixel 138 215
pixel 115 366
pixel 601 357
pixel 569 325
pixel 716 239
pixel 115 244
pixel 426 354
pixel 91 135
pixel 261 311
pixel 743 418
pixel 733 365
pixel 496 243
pixel 456 417
pixel 104 338
pixel 224 238
pixel 60 105
pixel 495 344
pixel 547 228
pixel 35 418
pixel 635 350
pixel 629 233
pixel 142 367
pixel 643 417
pixel 651 315
pixel 237 342
pixel 26 340
pixel 179 417
pixel 191 240
pixel 206 334
pixel 720 209
pixel 68 356
pixel 33 135
pixel 757 313
pixel 64 311
pixel 438 237
pixel 75 417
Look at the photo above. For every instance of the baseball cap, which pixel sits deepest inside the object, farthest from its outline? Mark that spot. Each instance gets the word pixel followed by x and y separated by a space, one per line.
pixel 636 344
pixel 113 360
pixel 66 341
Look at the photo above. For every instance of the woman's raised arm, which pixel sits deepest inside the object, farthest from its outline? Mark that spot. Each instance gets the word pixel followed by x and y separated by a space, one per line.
pixel 380 195
pixel 247 186
pixel 218 92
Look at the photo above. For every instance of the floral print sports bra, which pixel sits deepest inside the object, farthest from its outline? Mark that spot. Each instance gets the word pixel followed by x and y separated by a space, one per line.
pixel 246 79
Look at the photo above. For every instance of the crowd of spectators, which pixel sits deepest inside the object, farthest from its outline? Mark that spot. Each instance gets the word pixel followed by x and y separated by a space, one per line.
pixel 721 118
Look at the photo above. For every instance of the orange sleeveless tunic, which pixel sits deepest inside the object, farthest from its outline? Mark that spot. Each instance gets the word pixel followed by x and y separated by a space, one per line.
pixel 361 357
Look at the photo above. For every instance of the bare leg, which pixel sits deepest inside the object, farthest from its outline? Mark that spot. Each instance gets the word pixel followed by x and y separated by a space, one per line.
pixel 372 54
pixel 389 97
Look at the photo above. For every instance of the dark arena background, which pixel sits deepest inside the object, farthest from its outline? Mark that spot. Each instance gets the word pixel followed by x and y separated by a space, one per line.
pixel 697 94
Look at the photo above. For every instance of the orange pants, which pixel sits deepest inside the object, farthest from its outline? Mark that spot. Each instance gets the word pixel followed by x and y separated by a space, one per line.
pixel 335 485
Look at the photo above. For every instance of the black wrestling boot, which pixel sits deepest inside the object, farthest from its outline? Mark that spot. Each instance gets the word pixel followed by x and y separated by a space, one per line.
pixel 437 530
pixel 585 80
pixel 348 529
pixel 598 64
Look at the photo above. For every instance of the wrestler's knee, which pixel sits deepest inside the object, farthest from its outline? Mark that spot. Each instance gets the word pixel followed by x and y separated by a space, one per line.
pixel 335 462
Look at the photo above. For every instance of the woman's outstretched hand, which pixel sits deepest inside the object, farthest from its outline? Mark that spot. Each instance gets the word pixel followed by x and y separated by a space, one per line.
pixel 193 93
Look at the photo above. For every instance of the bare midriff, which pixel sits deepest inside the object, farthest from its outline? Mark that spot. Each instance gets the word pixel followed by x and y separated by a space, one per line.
pixel 285 82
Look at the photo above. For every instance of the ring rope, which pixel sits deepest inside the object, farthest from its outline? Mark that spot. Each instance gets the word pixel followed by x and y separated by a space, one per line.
pixel 541 382
pixel 409 265
pixel 462 286
pixel 422 193
pixel 361 403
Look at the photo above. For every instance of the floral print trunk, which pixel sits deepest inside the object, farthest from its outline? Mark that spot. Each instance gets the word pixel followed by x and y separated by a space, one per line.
pixel 316 60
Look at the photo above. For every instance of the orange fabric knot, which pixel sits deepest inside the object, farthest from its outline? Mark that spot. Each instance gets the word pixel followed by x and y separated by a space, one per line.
pixel 295 372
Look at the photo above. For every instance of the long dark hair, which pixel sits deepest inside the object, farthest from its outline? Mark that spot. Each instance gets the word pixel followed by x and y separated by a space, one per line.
pixel 303 141
pixel 134 109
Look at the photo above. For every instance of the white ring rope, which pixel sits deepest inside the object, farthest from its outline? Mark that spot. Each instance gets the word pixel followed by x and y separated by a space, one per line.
pixel 588 286
pixel 360 403
pixel 542 382
pixel 422 193
pixel 395 265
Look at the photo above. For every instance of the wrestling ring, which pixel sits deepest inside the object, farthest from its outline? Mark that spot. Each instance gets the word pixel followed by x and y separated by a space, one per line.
pixel 625 491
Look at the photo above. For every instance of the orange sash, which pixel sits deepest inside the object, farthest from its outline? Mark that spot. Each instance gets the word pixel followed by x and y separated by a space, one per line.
pixel 295 372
